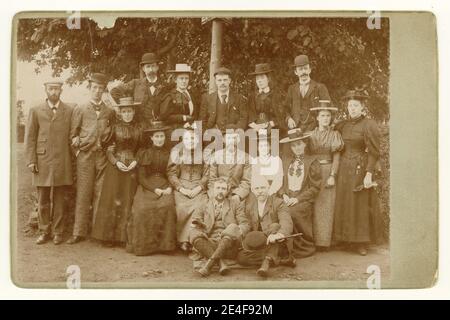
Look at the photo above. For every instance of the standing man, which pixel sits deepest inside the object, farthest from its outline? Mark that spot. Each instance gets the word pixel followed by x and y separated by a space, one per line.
pixel 218 228
pixel 48 154
pixel 224 108
pixel 90 131
pixel 302 96
pixel 148 90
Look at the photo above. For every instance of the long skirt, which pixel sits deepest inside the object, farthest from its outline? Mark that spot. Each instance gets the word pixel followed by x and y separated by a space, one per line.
pixel 301 215
pixel 356 215
pixel 151 228
pixel 185 207
pixel 114 205
pixel 324 210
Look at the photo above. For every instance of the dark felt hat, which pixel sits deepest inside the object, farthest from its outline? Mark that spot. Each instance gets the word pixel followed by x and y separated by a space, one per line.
pixel 222 70
pixel 149 58
pixel 355 94
pixel 99 78
pixel 156 126
pixel 294 135
pixel 254 240
pixel 262 68
pixel 301 60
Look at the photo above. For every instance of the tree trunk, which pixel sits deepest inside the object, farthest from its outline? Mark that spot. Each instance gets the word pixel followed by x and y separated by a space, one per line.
pixel 216 51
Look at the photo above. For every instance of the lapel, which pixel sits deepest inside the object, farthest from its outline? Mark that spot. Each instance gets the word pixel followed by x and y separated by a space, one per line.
pixel 209 219
pixel 297 95
pixel 312 85
pixel 231 100
pixel 267 208
pixel 225 209
pixel 46 109
pixel 60 111
pixel 212 102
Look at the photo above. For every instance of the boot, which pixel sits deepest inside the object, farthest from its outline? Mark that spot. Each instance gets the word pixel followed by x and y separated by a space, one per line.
pixel 264 269
pixel 206 269
pixel 223 268
pixel 43 238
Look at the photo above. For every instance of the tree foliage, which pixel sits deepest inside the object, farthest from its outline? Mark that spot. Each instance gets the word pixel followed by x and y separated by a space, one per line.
pixel 344 53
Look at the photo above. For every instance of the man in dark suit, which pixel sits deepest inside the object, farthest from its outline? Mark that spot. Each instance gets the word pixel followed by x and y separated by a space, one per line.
pixel 218 228
pixel 90 131
pixel 224 108
pixel 148 90
pixel 302 96
pixel 49 159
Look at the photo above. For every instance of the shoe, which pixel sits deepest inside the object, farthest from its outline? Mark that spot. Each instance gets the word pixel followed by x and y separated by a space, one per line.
pixel 288 262
pixel 57 239
pixel 361 249
pixel 75 239
pixel 43 238
pixel 206 269
pixel 263 271
pixel 223 268
pixel 185 247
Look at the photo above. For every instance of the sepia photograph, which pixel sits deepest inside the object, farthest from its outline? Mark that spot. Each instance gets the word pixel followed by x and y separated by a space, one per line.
pixel 194 150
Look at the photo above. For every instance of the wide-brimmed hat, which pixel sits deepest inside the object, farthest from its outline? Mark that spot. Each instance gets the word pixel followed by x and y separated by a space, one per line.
pixel 254 240
pixel 222 70
pixel 361 95
pixel 54 82
pixel 128 102
pixel 324 105
pixel 181 68
pixel 262 68
pixel 156 126
pixel 301 60
pixel 149 58
pixel 294 135
pixel 98 78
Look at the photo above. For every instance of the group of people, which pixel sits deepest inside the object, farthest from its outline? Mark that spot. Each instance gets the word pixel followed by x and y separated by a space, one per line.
pixel 135 188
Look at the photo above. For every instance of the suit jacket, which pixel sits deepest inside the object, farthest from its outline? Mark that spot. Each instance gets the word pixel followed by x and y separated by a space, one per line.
pixel 275 211
pixel 232 212
pixel 47 144
pixel 174 105
pixel 139 89
pixel 298 107
pixel 237 111
pixel 94 132
pixel 312 180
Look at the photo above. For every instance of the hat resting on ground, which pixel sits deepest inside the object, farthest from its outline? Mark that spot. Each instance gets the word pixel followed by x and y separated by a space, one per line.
pixel 254 240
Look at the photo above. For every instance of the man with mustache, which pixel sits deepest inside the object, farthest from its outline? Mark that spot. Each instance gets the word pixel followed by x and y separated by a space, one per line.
pixel 224 107
pixel 47 149
pixel 148 90
pixel 302 96
pixel 270 222
pixel 217 229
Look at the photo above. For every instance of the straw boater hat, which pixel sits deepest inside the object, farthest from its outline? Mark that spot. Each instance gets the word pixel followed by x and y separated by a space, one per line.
pixel 262 68
pixel 127 102
pixel 294 135
pixel 324 105
pixel 149 58
pixel 300 60
pixel 181 68
pixel 156 126
pixel 54 82
pixel 360 95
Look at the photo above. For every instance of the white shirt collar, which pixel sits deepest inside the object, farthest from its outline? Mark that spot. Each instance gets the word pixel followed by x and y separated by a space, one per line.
pixel 53 105
pixel 152 81
pixel 97 104
pixel 220 94
pixel 306 83
pixel 265 90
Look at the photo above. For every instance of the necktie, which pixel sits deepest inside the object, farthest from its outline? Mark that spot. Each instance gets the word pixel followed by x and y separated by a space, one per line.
pixel 223 98
pixel 54 110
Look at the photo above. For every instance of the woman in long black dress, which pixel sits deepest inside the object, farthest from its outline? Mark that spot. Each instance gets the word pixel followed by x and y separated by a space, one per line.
pixel 152 227
pixel 357 210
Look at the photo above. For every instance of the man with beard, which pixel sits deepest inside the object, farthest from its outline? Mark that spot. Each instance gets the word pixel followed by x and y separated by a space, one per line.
pixel 270 222
pixel 218 228
pixel 48 155
pixel 302 96
pixel 224 108
pixel 90 131
pixel 148 90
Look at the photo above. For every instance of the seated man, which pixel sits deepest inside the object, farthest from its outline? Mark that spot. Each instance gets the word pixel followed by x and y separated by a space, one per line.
pixel 270 222
pixel 217 228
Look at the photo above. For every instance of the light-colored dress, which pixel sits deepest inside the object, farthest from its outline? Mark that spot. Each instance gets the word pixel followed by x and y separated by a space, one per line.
pixel 323 145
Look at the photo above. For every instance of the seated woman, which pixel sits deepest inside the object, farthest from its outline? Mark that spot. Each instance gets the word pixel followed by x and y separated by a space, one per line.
pixel 119 185
pixel 152 227
pixel 300 188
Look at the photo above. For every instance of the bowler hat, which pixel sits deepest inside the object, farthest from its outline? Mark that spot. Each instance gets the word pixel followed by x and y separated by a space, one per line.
pixel 181 68
pixel 222 70
pixel 294 135
pixel 301 60
pixel 156 126
pixel 261 68
pixel 355 94
pixel 128 102
pixel 99 78
pixel 324 105
pixel 149 58
pixel 254 240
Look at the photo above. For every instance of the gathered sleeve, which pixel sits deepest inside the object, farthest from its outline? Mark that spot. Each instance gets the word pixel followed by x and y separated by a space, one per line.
pixel 372 141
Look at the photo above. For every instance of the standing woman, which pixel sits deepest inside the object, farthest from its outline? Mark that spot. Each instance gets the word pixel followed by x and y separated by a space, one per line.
pixel 152 227
pixel 325 144
pixel 356 211
pixel 119 186
pixel 188 176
